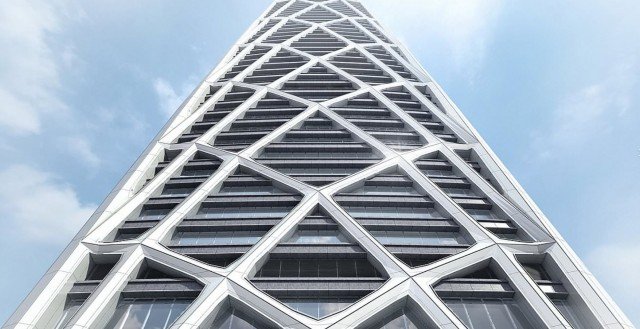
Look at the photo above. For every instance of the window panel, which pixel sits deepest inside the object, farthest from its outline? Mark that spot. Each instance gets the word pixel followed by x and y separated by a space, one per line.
pixel 402 319
pixel 478 315
pixel 489 313
pixel 418 238
pixel 568 313
pixel 223 238
pixel 344 268
pixel 178 307
pixel 318 237
pixel 70 309
pixel 147 313
pixel 153 214
pixel 318 308
pixel 177 191
pixel 458 307
pixel 271 269
pixel 365 270
pixel 158 316
pixel 308 268
pixel 328 269
pixel 137 315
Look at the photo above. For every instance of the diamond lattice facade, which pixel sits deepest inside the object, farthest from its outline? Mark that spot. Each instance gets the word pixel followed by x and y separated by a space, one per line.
pixel 318 178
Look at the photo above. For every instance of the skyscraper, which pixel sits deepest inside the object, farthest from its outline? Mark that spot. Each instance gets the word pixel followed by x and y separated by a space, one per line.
pixel 318 178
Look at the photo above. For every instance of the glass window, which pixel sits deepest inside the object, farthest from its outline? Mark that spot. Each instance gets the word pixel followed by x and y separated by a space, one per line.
pixel 147 313
pixel 318 237
pixel 460 192
pixel 271 269
pixel 177 191
pixel 489 313
pixel 440 173
pixel 388 190
pixel 99 271
pixel 234 319
pixel 568 313
pixel 536 271
pixel 308 268
pixel 70 309
pixel 153 214
pixel 402 319
pixel 393 213
pixel 318 308
pixel 243 212
pixel 328 269
pixel 418 238
pixel 344 268
pixel 250 190
pixel 290 269
pixel 479 214
pixel 222 238
pixel 196 172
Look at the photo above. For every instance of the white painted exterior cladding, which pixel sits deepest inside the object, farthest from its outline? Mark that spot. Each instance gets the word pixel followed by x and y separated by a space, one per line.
pixel 45 303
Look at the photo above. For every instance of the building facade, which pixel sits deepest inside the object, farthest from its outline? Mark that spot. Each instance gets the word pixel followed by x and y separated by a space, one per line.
pixel 318 178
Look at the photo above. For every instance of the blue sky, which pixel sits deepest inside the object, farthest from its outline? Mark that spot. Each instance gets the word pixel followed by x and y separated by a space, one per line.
pixel 551 85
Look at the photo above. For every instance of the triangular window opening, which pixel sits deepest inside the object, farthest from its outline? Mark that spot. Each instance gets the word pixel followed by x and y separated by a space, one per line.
pixel 230 222
pixel 316 254
pixel 403 219
pixel 318 153
pixel 482 299
pixel 234 318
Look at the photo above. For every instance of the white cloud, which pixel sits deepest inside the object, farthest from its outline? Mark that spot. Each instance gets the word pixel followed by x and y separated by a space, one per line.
pixel 585 114
pixel 39 207
pixel 464 27
pixel 29 75
pixel 81 149
pixel 617 266
pixel 168 98
pixel 17 116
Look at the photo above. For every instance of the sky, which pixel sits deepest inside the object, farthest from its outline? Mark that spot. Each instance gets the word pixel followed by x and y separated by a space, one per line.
pixel 552 86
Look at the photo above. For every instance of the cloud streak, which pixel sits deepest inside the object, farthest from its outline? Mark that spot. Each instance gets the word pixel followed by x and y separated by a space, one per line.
pixel 617 266
pixel 39 207
pixel 585 114
pixel 29 77
pixel 168 98
pixel 464 27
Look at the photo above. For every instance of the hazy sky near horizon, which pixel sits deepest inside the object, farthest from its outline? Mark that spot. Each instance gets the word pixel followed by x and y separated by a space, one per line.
pixel 551 85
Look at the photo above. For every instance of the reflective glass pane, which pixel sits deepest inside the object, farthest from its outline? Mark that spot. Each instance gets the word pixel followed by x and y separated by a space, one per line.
pixel 119 317
pixel 329 307
pixel 478 315
pixel 70 309
pixel 328 269
pixel 179 306
pixel 499 314
pixel 308 307
pixel 518 316
pixel 568 313
pixel 347 269
pixel 137 315
pixel 158 316
pixel 290 269
pixel 308 269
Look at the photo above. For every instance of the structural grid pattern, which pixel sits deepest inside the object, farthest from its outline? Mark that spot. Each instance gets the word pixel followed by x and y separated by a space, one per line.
pixel 318 178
